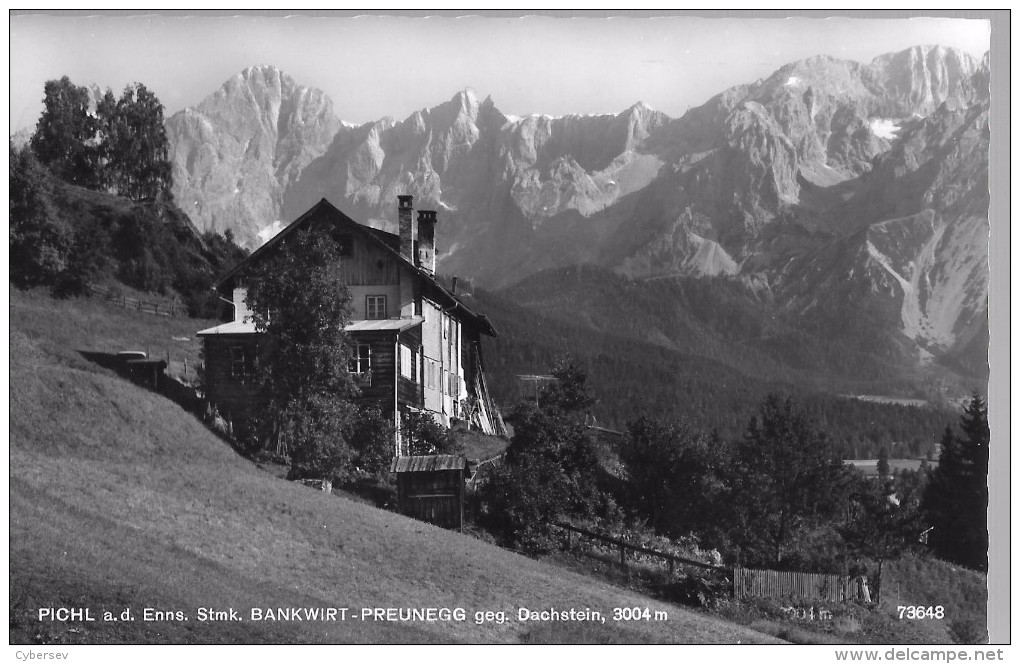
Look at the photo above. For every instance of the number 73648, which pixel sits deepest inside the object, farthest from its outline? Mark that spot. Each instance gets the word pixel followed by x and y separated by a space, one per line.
pixel 921 612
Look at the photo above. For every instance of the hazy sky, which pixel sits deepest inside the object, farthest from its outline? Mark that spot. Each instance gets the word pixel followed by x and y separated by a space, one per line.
pixel 374 66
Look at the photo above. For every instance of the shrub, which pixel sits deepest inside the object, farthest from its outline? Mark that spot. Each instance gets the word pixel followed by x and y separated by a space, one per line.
pixel 424 436
pixel 372 441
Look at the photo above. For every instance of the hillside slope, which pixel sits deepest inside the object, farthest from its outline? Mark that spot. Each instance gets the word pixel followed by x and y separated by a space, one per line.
pixel 121 499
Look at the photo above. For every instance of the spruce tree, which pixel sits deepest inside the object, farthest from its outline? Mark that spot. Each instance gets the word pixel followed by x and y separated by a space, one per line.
pixel 956 498
pixel 883 462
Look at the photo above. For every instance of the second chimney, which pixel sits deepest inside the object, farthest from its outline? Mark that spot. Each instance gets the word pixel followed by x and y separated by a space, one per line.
pixel 408 229
pixel 427 240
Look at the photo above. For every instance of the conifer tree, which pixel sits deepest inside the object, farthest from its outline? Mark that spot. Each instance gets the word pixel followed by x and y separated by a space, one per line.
pixel 956 498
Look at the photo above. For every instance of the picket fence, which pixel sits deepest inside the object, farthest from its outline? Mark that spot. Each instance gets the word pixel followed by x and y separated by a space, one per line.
pixel 799 585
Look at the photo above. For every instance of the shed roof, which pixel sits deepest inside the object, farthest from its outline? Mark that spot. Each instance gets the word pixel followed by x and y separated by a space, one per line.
pixel 425 464
pixel 385 325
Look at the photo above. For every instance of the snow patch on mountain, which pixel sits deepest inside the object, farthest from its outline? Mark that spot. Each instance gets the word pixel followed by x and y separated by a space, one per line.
pixel 886 128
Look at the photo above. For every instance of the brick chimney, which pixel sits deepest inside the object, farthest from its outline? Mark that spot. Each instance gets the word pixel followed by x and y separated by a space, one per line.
pixel 408 227
pixel 427 240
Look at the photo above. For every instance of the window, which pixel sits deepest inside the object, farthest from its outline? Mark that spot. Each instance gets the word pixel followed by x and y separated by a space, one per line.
pixel 375 307
pixel 407 362
pixel 360 364
pixel 430 374
pixel 241 365
pixel 361 359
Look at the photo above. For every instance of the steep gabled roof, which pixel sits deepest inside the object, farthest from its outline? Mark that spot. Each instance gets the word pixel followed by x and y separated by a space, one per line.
pixel 379 238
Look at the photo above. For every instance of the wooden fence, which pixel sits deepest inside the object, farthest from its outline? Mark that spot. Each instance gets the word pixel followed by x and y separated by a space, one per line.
pixel 670 559
pixel 797 585
pixel 749 582
pixel 144 306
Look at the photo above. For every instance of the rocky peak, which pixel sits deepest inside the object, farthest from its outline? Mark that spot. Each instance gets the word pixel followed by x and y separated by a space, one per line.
pixel 923 77
pixel 235 152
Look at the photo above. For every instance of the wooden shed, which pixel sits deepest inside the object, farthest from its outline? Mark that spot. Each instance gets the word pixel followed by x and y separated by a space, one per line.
pixel 431 488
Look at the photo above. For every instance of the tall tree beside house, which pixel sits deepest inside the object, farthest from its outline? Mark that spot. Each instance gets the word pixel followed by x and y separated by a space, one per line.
pixel 956 497
pixel 785 481
pixel 300 305
pixel 64 139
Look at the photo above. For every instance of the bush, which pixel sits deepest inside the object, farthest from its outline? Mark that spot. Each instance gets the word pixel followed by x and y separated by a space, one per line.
pixel 316 427
pixel 423 436
pixel 372 440
pixel 517 501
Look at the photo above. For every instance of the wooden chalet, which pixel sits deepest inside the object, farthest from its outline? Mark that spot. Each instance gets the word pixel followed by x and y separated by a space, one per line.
pixel 415 346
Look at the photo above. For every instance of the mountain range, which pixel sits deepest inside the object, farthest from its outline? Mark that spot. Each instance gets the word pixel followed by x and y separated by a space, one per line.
pixel 852 197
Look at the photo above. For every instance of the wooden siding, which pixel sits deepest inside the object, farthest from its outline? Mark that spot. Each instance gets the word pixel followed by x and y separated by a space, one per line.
pixel 366 264
pixel 383 362
pixel 234 395
pixel 436 497
pixel 384 370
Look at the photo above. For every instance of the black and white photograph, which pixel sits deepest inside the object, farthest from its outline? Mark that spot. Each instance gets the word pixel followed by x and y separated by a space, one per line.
pixel 509 327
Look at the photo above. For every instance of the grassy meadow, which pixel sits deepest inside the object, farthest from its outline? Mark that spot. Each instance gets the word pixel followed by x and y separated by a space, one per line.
pixel 120 499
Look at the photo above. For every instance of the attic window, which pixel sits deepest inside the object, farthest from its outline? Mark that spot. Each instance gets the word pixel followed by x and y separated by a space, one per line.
pixel 375 307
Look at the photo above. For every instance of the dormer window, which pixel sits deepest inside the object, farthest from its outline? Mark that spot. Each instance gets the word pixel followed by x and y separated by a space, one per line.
pixel 375 307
